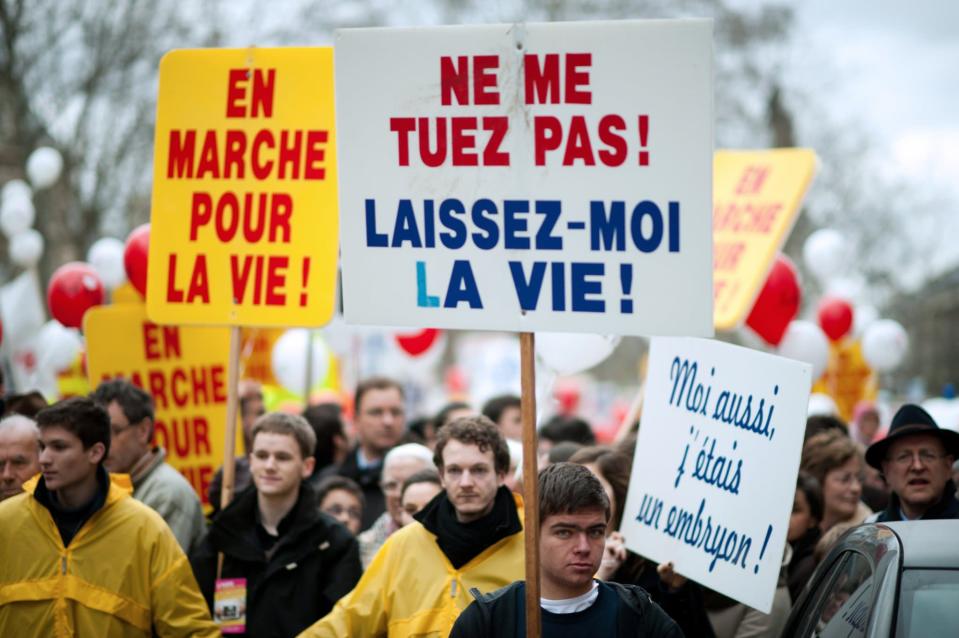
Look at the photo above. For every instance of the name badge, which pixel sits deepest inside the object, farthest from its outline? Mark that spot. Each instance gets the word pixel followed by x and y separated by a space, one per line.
pixel 229 605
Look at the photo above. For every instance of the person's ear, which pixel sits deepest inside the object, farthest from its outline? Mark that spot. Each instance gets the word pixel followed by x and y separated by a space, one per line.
pixel 308 464
pixel 145 430
pixel 96 452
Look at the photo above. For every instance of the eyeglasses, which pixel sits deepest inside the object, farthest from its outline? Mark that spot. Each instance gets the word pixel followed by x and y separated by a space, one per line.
pixel 926 457
pixel 336 510
pixel 117 430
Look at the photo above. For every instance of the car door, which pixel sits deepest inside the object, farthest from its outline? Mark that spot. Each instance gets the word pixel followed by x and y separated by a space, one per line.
pixel 842 600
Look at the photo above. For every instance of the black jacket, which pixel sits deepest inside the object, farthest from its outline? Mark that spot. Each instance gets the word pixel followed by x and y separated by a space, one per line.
pixel 369 481
pixel 947 507
pixel 495 614
pixel 314 563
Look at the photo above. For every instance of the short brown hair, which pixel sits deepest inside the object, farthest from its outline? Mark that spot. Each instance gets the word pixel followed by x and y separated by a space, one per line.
pixel 615 467
pixel 374 383
pixel 567 488
pixel 826 451
pixel 289 424
pixel 478 431
pixel 80 416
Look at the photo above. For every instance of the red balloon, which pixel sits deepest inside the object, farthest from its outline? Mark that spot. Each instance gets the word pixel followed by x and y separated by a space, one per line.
pixel 135 257
pixel 835 317
pixel 74 288
pixel 417 343
pixel 777 303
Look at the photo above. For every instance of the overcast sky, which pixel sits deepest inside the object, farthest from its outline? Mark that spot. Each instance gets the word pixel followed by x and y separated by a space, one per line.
pixel 897 65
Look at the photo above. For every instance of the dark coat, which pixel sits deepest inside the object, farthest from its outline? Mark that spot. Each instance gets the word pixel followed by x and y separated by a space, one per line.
pixel 947 507
pixel 496 614
pixel 369 481
pixel 315 562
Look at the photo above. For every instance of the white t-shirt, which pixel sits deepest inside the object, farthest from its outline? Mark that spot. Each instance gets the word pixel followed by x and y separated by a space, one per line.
pixel 571 605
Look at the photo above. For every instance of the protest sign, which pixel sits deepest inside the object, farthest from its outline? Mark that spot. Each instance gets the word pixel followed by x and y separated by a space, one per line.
pixel 756 200
pixel 244 213
pixel 184 369
pixel 528 177
pixel 716 461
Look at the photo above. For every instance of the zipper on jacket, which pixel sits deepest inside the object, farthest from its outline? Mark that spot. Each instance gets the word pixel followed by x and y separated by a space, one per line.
pixel 63 565
pixel 453 589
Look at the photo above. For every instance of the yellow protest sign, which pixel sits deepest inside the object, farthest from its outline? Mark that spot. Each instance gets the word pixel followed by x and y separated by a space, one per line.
pixel 756 199
pixel 184 370
pixel 848 378
pixel 243 225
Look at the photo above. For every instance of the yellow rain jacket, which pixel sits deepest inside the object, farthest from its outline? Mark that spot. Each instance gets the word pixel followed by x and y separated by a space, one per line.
pixel 411 589
pixel 122 574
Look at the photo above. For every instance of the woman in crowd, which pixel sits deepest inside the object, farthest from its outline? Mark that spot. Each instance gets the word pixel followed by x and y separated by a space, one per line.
pixel 418 490
pixel 680 598
pixel 342 499
pixel 803 533
pixel 833 459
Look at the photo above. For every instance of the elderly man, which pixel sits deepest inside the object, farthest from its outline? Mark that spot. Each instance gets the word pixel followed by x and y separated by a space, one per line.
pixel 916 460
pixel 19 453
pixel 133 451
pixel 400 463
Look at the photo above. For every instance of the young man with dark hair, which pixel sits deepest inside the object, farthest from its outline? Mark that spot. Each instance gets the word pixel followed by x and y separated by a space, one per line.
pixel 470 535
pixel 132 451
pixel 574 511
pixel 293 561
pixel 379 420
pixel 251 408
pixel 505 411
pixel 79 556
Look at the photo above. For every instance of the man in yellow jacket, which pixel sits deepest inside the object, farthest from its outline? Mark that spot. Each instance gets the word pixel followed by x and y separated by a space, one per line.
pixel 470 535
pixel 79 556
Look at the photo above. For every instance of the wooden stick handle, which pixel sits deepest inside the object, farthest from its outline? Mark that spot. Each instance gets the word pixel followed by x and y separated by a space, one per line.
pixel 530 483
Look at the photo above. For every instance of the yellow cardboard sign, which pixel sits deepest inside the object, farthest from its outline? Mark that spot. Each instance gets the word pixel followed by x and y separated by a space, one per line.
pixel 756 199
pixel 184 370
pixel 243 225
pixel 848 379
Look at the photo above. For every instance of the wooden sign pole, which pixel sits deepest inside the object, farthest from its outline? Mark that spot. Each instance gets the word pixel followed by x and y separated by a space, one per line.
pixel 530 483
pixel 229 448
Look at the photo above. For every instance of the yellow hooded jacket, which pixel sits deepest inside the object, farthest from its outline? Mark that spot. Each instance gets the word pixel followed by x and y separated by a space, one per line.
pixel 122 574
pixel 412 589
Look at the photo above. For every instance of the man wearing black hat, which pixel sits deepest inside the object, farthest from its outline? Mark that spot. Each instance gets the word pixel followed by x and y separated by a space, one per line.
pixel 916 460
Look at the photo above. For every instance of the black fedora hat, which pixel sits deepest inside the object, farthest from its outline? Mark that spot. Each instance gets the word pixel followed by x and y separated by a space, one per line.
pixel 911 419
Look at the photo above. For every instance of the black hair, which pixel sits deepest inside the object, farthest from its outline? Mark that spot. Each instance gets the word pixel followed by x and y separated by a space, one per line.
pixel 566 488
pixel 80 416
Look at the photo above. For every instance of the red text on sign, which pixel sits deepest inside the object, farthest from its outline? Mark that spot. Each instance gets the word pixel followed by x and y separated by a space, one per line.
pixel 268 275
pixel 255 214
pixel 228 154
pixel 575 140
pixel 161 342
pixel 542 78
pixel 451 140
pixel 260 91
pixel 455 79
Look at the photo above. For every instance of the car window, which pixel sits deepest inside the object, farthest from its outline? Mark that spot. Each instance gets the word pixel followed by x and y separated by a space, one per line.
pixel 928 603
pixel 842 609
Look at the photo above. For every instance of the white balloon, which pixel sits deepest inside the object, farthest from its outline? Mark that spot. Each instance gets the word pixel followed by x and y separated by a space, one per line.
pixel 26 248
pixel 821 405
pixel 44 166
pixel 16 188
pixel 849 288
pixel 106 257
pixel 805 341
pixel 16 215
pixel 862 316
pixel 289 359
pixel 569 353
pixel 57 346
pixel 884 345
pixel 825 253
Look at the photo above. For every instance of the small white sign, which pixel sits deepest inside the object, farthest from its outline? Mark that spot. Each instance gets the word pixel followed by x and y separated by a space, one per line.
pixel 528 177
pixel 714 474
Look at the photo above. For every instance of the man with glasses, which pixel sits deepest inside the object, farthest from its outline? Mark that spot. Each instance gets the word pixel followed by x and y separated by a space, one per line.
pixel 916 460
pixel 133 451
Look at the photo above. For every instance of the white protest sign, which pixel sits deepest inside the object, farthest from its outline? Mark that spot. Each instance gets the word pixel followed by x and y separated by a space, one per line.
pixel 716 461
pixel 528 177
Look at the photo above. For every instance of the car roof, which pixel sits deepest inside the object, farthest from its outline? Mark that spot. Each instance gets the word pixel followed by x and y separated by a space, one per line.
pixel 928 543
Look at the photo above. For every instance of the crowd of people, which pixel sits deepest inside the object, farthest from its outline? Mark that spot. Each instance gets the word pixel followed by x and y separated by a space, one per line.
pixel 384 525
